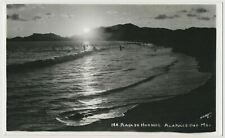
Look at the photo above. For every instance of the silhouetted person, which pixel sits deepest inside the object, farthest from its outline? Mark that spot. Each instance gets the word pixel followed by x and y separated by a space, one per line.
pixel 94 48
pixel 120 47
pixel 84 47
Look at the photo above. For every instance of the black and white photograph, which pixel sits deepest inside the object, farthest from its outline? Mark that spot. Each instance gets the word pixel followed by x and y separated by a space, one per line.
pixel 111 68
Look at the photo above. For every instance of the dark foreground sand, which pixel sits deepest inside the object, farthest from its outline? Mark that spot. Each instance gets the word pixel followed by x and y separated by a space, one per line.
pixel 192 112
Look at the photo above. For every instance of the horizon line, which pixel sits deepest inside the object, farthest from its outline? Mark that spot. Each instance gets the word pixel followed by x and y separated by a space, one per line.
pixel 112 26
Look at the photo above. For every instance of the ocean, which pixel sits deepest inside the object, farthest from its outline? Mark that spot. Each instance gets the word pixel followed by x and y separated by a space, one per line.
pixel 54 84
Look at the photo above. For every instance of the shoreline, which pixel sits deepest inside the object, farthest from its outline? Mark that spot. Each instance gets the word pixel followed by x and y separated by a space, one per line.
pixel 178 114
pixel 187 113
pixel 164 116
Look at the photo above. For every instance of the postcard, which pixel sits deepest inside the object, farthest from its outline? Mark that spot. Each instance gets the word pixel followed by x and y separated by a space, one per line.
pixel 111 67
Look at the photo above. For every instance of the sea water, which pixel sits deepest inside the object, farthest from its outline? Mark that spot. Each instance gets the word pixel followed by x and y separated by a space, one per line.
pixel 53 84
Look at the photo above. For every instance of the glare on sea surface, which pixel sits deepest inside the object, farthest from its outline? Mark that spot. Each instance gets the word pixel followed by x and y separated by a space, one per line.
pixel 87 71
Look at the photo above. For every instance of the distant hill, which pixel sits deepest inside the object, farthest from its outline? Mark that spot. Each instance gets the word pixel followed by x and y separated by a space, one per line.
pixel 40 37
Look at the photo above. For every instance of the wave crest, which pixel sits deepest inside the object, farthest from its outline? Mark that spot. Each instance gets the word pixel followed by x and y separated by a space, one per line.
pixel 48 62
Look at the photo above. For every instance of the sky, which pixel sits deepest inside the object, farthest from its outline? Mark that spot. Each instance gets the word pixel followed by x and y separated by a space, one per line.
pixel 74 19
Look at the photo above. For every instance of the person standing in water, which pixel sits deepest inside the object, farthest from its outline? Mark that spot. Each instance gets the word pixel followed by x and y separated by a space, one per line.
pixel 121 48
pixel 84 47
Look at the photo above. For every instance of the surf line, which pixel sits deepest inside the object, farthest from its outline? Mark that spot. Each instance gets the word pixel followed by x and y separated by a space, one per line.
pixel 107 92
pixel 48 62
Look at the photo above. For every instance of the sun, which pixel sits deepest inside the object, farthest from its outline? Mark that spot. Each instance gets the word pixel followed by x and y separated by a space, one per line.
pixel 86 30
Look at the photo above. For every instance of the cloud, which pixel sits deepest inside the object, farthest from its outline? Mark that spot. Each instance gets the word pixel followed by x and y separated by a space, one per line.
pixel 182 11
pixel 161 16
pixel 164 16
pixel 191 15
pixel 200 10
pixel 48 13
pixel 36 18
pixel 197 13
pixel 15 6
pixel 204 18
pixel 15 17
